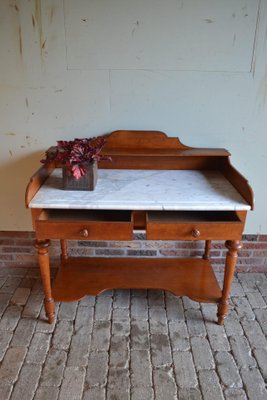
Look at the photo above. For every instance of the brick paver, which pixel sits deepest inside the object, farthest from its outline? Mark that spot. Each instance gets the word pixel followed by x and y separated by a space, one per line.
pixel 132 344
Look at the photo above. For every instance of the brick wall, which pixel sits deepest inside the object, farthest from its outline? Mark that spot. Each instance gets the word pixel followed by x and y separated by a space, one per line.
pixel 16 249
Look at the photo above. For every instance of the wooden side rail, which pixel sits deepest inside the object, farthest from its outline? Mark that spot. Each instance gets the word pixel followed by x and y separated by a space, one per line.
pixel 36 181
pixel 237 180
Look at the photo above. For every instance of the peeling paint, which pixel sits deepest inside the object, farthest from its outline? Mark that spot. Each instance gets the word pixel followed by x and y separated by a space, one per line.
pixel 52 14
pixel 38 20
pixel 28 140
pixel 20 42
pixel 43 45
pixel 14 6
pixel 208 20
pixel 136 25
pixel 234 39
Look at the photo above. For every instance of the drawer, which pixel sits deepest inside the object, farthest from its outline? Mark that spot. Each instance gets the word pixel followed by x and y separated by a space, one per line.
pixel 195 225
pixel 84 225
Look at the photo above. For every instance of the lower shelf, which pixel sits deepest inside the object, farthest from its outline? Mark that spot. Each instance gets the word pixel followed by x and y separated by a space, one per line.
pixel 194 278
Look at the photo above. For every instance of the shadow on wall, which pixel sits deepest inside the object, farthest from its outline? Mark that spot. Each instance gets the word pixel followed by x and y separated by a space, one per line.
pixel 15 175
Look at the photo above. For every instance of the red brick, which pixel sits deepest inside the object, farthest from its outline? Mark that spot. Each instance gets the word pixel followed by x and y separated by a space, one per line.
pixel 249 245
pixel 80 251
pixel 24 242
pixel 254 268
pixel 218 261
pixel 218 268
pixel 16 234
pixel 166 245
pixel 250 238
pixel 6 257
pixel 190 245
pixel 16 264
pixel 7 242
pixel 175 253
pixel 262 253
pixel 218 245
pixel 109 252
pixel 196 253
pixel 15 249
pixel 25 257
pixel 72 243
pixel 149 244
pixel 245 253
pixel 141 253
pixel 215 253
pixel 250 261
pixel 135 244
pixel 92 243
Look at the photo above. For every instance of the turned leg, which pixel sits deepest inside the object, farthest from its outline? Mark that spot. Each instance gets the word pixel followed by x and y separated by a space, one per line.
pixel 64 249
pixel 207 250
pixel 43 256
pixel 233 246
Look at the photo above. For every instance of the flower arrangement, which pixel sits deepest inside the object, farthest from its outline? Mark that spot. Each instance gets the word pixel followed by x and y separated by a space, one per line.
pixel 76 154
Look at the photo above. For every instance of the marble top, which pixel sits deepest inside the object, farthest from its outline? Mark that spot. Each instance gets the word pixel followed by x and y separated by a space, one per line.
pixel 171 190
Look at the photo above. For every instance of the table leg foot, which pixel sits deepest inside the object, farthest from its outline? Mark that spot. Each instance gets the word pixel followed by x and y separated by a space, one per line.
pixel 49 306
pixel 222 312
pixel 233 247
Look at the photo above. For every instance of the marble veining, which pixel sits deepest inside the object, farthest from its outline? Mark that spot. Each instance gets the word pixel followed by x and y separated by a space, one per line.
pixel 144 190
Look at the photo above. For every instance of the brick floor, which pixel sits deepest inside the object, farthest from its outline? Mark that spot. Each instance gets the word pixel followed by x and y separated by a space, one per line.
pixel 138 345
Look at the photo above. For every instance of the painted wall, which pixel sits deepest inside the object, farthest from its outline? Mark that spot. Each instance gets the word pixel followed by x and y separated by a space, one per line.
pixel 196 69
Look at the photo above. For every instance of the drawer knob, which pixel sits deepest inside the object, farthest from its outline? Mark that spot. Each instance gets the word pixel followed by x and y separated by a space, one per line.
pixel 84 233
pixel 195 233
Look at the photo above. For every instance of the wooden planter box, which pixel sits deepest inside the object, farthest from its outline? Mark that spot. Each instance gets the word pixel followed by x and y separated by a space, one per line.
pixel 86 182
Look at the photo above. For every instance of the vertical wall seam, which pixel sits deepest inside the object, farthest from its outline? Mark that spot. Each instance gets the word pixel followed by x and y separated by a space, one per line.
pixel 254 48
pixel 65 35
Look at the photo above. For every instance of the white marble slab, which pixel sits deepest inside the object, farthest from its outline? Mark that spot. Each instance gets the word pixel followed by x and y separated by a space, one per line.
pixel 144 190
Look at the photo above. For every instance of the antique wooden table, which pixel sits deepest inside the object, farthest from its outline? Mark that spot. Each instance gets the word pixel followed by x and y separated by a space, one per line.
pixel 156 185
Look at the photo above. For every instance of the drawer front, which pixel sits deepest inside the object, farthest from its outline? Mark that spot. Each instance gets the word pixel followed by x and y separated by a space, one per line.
pixel 84 225
pixel 84 230
pixel 194 231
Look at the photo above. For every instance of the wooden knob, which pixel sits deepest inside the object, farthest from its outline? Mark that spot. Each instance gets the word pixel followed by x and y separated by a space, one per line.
pixel 84 233
pixel 195 233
